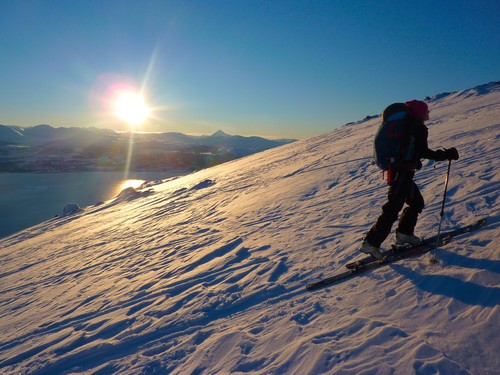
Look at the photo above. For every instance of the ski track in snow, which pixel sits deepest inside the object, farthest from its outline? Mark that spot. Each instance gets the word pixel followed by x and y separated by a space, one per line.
pixel 206 274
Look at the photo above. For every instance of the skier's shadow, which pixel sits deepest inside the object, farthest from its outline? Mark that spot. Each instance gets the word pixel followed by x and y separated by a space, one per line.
pixel 454 259
pixel 464 291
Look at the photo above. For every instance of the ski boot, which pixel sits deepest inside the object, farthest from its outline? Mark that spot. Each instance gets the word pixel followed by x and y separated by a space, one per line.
pixel 372 250
pixel 406 240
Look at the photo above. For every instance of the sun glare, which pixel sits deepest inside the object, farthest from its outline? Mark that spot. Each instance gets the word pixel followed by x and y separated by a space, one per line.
pixel 130 107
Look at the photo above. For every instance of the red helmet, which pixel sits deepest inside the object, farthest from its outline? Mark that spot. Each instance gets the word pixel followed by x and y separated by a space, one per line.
pixel 418 109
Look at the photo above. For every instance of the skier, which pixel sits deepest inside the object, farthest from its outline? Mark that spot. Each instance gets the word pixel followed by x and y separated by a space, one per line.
pixel 402 188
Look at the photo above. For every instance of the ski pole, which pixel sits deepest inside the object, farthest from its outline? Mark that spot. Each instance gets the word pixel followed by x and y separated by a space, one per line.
pixel 433 255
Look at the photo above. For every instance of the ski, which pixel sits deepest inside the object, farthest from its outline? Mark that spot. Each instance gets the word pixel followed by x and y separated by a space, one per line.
pixel 373 264
pixel 393 256
pixel 426 242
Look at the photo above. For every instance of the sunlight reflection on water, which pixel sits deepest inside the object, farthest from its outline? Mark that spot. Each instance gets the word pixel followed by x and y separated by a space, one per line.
pixel 27 199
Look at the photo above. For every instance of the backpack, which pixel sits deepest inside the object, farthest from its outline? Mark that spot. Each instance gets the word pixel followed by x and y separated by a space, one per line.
pixel 394 143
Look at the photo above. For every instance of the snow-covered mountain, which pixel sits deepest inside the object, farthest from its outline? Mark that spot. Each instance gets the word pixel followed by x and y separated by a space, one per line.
pixel 206 274
pixel 44 134
pixel 43 148
pixel 75 137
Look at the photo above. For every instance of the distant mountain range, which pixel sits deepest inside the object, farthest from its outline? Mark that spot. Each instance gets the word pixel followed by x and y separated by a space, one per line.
pixel 43 148
pixel 43 134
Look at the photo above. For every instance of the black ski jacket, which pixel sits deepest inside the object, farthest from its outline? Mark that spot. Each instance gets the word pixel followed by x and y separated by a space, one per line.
pixel 422 150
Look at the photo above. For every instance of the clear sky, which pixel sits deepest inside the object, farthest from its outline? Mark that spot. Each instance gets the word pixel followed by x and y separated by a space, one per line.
pixel 273 68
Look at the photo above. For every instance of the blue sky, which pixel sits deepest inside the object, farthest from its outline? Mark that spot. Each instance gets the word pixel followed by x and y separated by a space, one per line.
pixel 272 68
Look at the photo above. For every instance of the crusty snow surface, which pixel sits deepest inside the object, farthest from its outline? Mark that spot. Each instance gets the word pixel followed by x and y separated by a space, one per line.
pixel 206 274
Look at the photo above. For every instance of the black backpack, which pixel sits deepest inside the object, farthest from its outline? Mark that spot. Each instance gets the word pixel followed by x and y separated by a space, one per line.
pixel 394 142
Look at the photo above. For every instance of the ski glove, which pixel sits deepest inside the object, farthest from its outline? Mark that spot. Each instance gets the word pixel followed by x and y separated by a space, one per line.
pixel 451 153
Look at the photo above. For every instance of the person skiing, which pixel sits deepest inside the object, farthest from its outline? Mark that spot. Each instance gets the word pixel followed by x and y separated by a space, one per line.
pixel 402 188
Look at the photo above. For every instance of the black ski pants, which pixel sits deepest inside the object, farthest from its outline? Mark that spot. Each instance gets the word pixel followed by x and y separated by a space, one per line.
pixel 402 190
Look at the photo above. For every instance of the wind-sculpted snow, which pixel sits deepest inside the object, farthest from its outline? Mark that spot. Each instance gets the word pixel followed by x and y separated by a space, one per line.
pixel 206 274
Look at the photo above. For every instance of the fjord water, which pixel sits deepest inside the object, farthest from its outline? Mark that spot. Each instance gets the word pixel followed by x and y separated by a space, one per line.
pixel 27 199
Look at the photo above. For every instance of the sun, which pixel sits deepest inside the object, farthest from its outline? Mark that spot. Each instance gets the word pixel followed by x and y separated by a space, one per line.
pixel 131 108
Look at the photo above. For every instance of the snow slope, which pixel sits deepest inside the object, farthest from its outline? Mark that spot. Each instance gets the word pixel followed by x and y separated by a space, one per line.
pixel 206 274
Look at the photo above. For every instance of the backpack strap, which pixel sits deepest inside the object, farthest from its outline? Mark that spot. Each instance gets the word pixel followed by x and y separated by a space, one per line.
pixel 390 170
